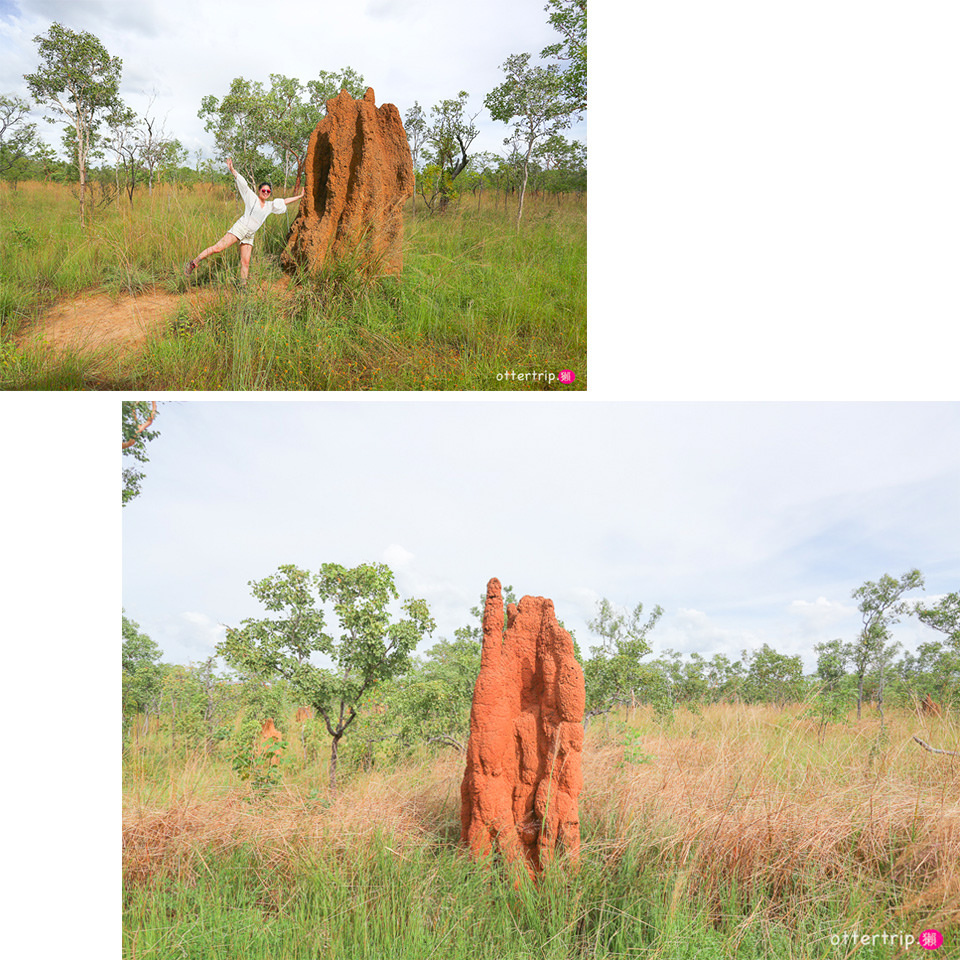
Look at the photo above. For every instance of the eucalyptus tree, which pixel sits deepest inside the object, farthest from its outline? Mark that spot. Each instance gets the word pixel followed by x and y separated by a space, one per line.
pixel 532 98
pixel 569 17
pixel 881 605
pixel 415 127
pixel 370 647
pixel 81 81
pixel 237 124
pixel 944 616
pixel 17 137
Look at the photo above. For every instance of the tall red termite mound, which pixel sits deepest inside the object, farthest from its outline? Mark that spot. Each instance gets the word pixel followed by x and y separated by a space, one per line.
pixel 520 791
pixel 304 713
pixel 359 171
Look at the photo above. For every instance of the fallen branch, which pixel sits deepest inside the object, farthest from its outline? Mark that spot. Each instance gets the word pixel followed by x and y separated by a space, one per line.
pixel 449 742
pixel 926 746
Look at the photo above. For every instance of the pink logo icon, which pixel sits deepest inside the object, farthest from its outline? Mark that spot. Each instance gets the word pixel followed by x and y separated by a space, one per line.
pixel 567 376
pixel 931 939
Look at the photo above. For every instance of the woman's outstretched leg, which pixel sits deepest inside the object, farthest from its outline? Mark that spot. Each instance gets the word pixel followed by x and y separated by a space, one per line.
pixel 227 240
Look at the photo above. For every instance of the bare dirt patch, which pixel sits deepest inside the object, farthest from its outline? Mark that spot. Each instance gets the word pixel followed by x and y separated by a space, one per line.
pixel 101 323
pixel 98 322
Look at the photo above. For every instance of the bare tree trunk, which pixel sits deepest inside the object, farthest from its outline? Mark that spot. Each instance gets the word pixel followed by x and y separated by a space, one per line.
pixel 334 749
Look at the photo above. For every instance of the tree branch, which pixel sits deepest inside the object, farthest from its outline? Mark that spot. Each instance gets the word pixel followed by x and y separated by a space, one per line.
pixel 926 746
pixel 142 427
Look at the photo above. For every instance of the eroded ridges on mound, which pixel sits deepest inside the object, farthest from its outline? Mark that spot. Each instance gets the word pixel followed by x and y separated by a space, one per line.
pixel 520 792
pixel 359 171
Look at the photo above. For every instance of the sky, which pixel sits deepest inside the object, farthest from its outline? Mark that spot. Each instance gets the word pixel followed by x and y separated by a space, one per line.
pixel 746 523
pixel 183 50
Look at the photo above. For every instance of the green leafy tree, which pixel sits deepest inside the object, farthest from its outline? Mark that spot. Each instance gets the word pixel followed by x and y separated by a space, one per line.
pixel 81 81
pixel 881 605
pixel 833 694
pixel 237 124
pixel 415 126
pixel 137 418
pixel 141 671
pixel 371 646
pixel 433 698
pixel 943 616
pixel 18 139
pixel 773 677
pixel 724 679
pixel 614 673
pixel 569 17
pixel 447 142
pixel 253 122
pixel 532 97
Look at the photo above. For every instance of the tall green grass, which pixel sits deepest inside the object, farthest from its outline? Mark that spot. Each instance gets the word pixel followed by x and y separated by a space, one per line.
pixel 728 833
pixel 479 306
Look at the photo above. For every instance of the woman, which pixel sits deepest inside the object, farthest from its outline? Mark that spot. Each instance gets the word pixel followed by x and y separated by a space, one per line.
pixel 257 207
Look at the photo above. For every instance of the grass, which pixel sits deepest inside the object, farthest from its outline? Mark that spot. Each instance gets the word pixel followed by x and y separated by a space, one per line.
pixel 479 306
pixel 731 833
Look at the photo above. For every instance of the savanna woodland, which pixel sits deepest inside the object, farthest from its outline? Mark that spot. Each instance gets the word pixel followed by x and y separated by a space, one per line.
pixel 93 239
pixel 297 793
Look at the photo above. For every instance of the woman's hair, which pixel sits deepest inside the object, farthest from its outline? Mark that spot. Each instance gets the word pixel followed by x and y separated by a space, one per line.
pixel 266 183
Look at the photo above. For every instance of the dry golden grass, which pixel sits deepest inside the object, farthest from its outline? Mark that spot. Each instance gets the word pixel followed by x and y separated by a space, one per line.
pixel 737 796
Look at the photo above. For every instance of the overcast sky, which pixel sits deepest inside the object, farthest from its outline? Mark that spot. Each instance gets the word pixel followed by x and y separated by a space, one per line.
pixel 746 523
pixel 183 50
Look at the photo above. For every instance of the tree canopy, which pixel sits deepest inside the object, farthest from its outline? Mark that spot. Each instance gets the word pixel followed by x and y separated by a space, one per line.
pixel 81 81
pixel 371 646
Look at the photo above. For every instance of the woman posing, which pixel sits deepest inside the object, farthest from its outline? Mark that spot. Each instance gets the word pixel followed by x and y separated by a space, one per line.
pixel 257 207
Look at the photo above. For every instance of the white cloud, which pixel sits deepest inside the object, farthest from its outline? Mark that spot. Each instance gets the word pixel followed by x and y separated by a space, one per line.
pixel 821 613
pixel 397 556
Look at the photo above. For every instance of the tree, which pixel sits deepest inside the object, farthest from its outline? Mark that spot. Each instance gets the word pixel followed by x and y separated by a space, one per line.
pixel 415 126
pixel 832 698
pixel 251 118
pixel 80 80
pixel 371 646
pixel 157 150
pixel 772 677
pixel 614 672
pixel 122 141
pixel 17 137
pixel 449 138
pixel 569 17
pixel 943 616
pixel 881 605
pixel 137 418
pixel 237 124
pixel 533 97
pixel 141 671
pixel 433 699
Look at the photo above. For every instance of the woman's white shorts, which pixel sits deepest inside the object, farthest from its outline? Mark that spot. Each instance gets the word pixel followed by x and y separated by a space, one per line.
pixel 244 230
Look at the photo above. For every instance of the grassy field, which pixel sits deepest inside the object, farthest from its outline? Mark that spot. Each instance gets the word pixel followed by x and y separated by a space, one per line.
pixel 729 833
pixel 480 306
